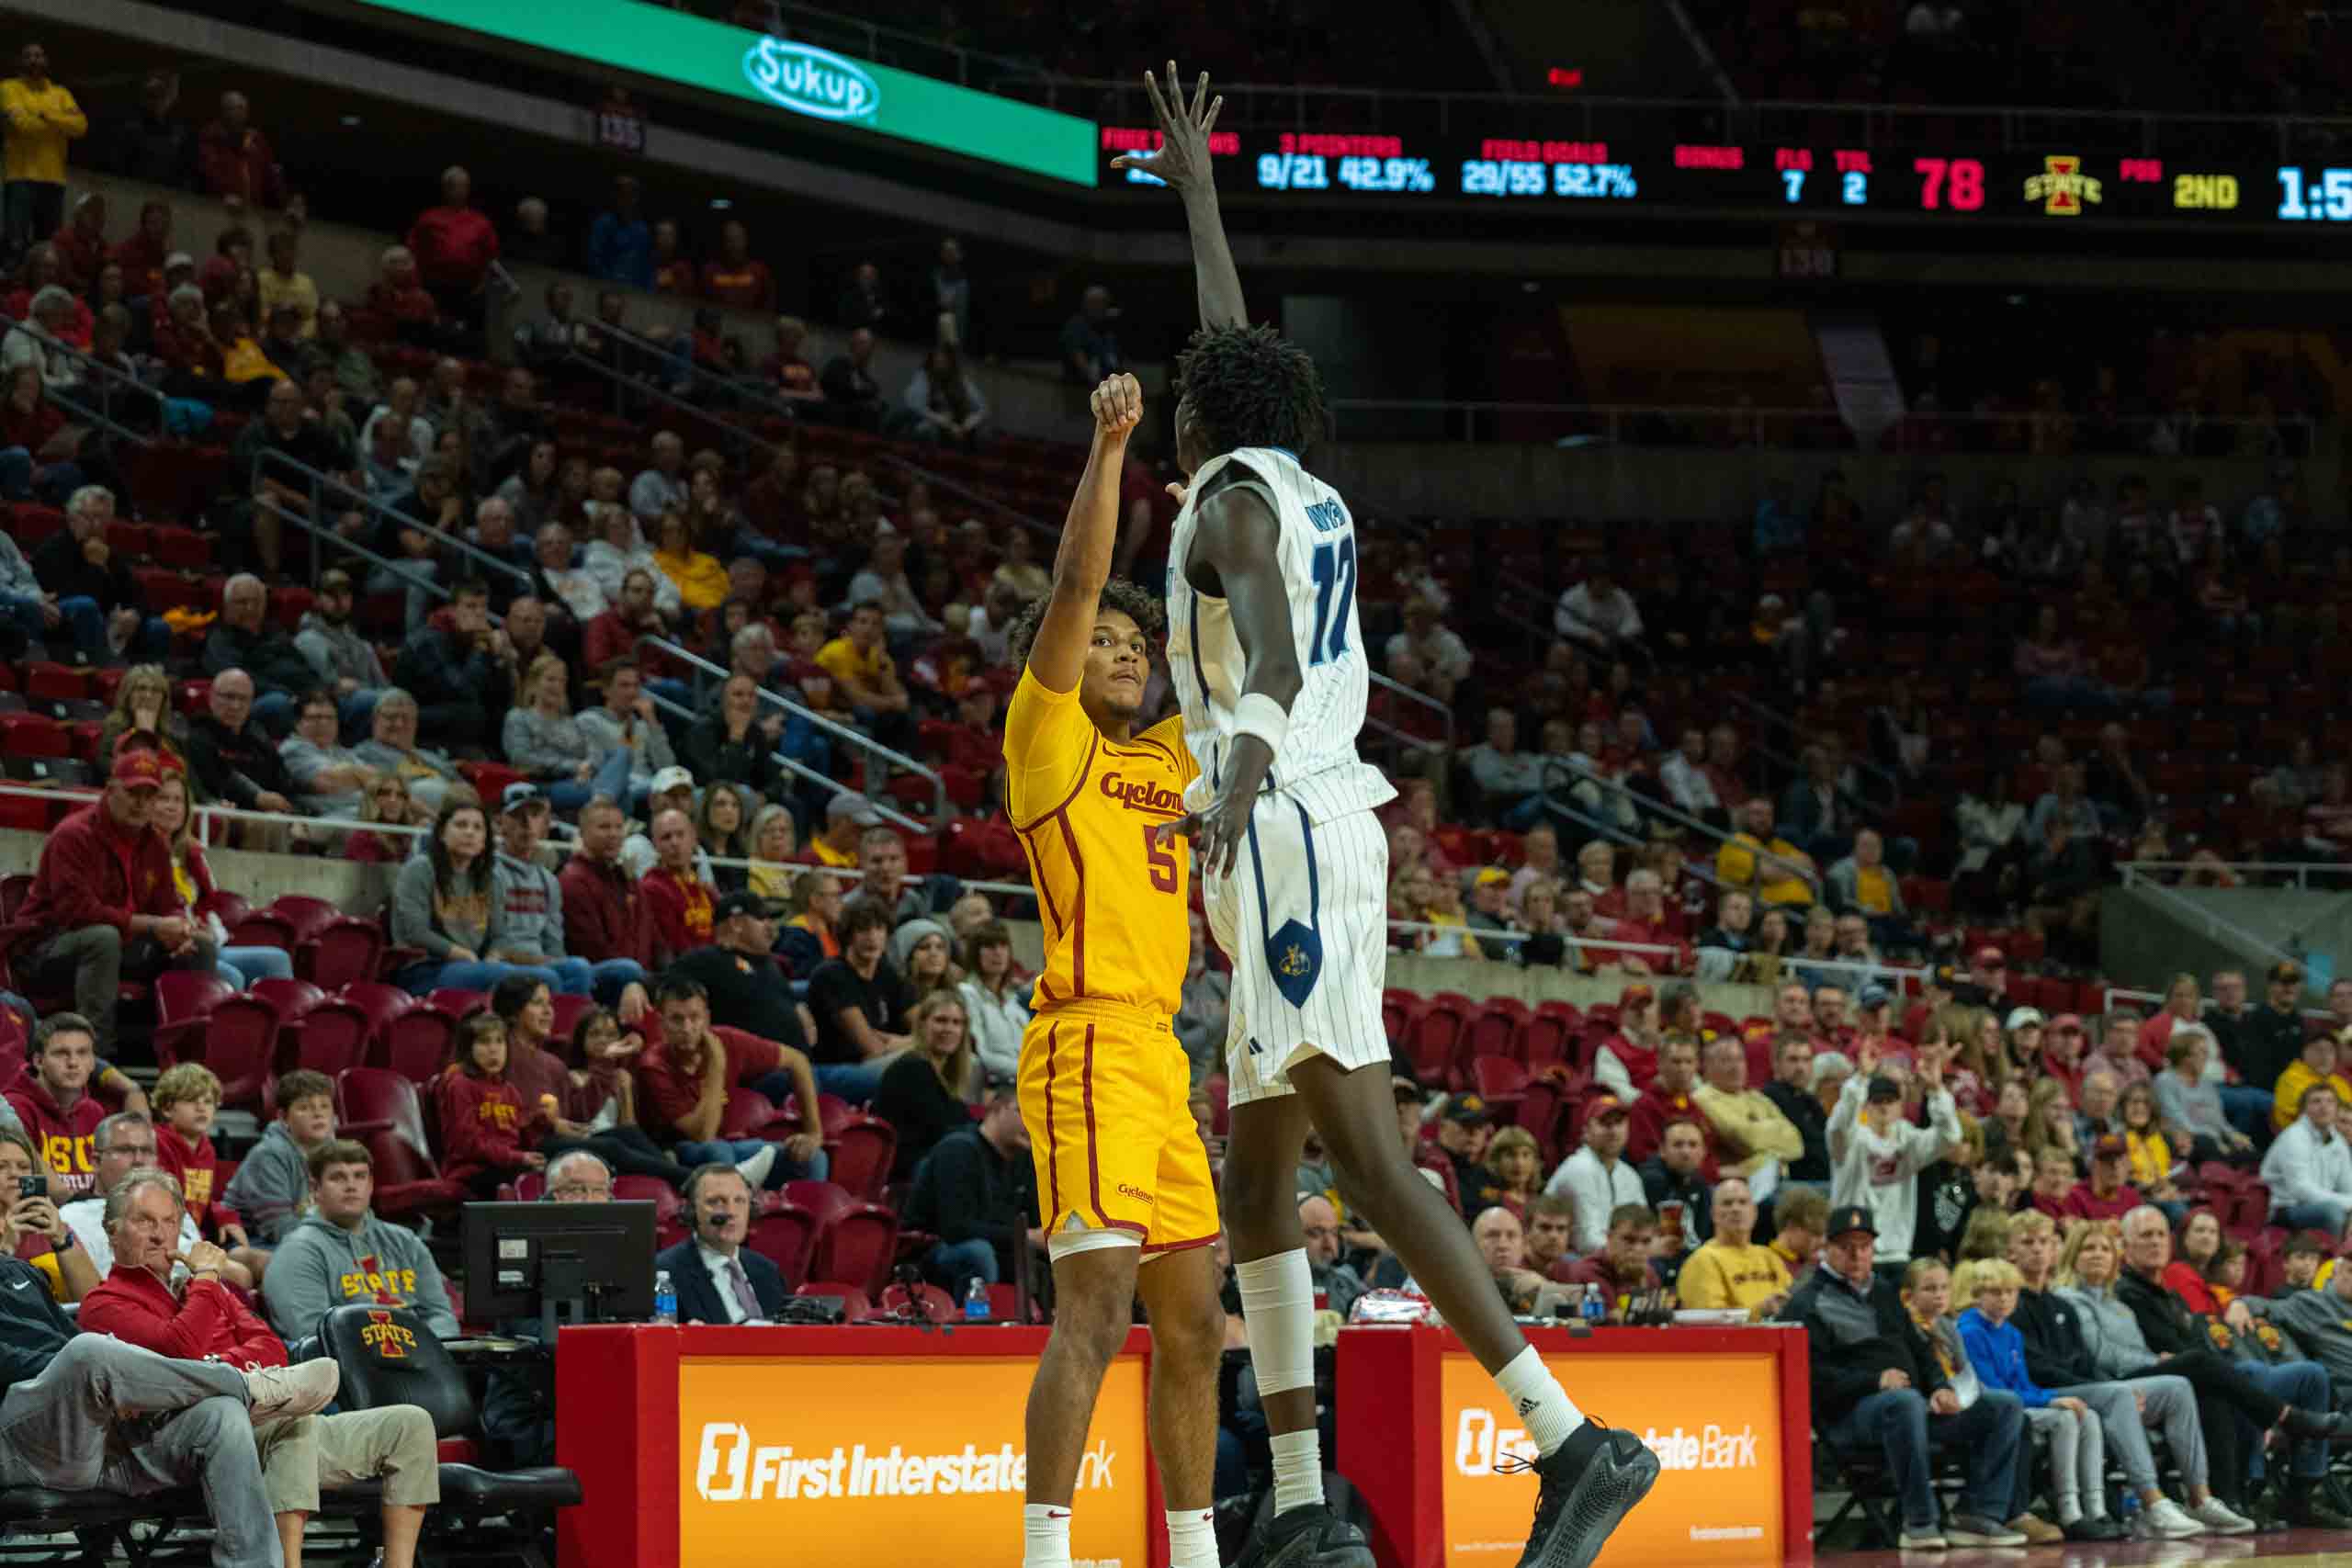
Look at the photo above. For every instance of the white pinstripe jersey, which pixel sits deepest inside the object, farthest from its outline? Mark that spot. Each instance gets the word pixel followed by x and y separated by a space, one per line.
pixel 1316 548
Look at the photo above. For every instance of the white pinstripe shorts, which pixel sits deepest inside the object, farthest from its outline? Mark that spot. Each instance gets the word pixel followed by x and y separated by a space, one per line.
pixel 1304 918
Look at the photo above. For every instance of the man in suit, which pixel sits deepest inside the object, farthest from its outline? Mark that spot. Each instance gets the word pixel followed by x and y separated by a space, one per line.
pixel 718 1280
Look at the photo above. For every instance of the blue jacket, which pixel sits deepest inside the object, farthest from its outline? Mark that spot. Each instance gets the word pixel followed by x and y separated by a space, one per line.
pixel 620 249
pixel 1998 1356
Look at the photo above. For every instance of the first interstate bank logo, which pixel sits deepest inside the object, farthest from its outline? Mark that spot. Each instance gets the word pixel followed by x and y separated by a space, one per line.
pixel 811 81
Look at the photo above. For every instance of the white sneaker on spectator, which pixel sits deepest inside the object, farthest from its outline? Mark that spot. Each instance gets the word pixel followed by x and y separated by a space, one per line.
pixel 1924 1539
pixel 2167 1520
pixel 2220 1518
pixel 280 1393
pixel 1970 1529
pixel 756 1170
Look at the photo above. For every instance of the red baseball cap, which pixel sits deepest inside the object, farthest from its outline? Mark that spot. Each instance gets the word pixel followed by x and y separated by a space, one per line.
pixel 2066 1023
pixel 141 768
pixel 1991 958
pixel 1601 1105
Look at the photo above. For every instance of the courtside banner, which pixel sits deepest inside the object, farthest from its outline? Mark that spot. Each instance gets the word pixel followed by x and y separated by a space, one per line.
pixel 1714 1421
pixel 790 77
pixel 877 1461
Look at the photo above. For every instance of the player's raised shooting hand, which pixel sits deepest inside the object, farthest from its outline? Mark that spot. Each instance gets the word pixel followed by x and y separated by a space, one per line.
pixel 1118 408
pixel 1182 160
pixel 1216 832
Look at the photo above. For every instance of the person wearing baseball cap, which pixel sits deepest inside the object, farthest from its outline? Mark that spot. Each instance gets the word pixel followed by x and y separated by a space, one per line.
pixel 1464 1127
pixel 532 899
pixel 1987 984
pixel 1597 1178
pixel 1880 1388
pixel 671 789
pixel 1875 1154
pixel 2106 1195
pixel 2320 1062
pixel 847 817
pixel 104 907
pixel 2271 1036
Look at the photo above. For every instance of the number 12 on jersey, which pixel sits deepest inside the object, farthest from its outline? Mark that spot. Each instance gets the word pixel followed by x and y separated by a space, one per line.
pixel 1335 596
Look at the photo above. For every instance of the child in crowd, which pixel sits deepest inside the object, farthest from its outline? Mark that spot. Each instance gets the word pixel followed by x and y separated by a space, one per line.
pixel 2301 1262
pixel 272 1189
pixel 487 1128
pixel 187 1098
pixel 2077 1441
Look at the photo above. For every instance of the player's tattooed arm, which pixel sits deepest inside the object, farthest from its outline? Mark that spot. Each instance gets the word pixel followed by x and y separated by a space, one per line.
pixel 1082 564
pixel 1183 162
pixel 1235 539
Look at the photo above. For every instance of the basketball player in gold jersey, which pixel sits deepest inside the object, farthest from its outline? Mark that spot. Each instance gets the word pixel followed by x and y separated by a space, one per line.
pixel 1123 1181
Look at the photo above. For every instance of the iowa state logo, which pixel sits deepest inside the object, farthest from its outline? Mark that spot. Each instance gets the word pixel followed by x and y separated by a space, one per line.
pixel 389 1340
pixel 2062 187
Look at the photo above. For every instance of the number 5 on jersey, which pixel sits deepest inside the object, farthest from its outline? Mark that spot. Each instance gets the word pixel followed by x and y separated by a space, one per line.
pixel 1335 594
pixel 1162 859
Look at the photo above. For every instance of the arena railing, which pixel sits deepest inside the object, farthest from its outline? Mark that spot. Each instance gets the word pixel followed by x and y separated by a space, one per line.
pixel 2152 872
pixel 320 486
pixel 2212 926
pixel 1712 428
pixel 207 816
pixel 705 672
pixel 626 387
pixel 109 381
pixel 1648 806
pixel 1398 739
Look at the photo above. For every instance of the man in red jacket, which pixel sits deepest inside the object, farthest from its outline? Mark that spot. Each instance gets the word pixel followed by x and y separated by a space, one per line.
pixel 147 1301
pixel 234 159
pixel 103 905
pixel 455 246
pixel 681 902
pixel 605 915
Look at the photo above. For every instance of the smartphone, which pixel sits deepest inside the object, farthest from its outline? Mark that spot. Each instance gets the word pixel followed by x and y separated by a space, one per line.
pixel 32 1186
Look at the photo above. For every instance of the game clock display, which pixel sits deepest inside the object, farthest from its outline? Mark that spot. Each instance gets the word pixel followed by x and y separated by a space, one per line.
pixel 2041 185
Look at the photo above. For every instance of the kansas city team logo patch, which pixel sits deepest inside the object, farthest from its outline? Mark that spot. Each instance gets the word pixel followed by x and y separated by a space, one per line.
pixel 1295 956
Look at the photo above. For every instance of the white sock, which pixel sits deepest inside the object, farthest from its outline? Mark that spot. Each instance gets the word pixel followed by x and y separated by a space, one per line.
pixel 1044 1536
pixel 1538 1399
pixel 1298 1468
pixel 2070 1509
pixel 1192 1538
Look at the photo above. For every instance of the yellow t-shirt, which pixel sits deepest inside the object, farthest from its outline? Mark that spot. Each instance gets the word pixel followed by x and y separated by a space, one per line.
pixel 40 121
pixel 1736 867
pixel 1874 890
pixel 1085 807
pixel 827 855
pixel 842 660
pixel 296 290
pixel 2291 1085
pixel 701 580
pixel 1718 1276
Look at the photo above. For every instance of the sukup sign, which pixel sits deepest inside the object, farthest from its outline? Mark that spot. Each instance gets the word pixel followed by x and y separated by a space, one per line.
pixel 811 81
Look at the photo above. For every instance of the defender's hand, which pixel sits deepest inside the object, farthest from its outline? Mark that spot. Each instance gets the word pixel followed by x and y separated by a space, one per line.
pixel 1217 832
pixel 1182 160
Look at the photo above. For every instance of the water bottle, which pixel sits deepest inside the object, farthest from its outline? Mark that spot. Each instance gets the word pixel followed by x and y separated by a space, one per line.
pixel 1595 1309
pixel 665 1298
pixel 976 1301
pixel 2128 1515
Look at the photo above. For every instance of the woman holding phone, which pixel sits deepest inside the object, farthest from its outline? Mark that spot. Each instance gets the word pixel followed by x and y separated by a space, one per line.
pixel 31 1226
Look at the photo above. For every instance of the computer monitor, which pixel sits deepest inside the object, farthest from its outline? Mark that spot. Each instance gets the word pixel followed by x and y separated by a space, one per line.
pixel 559 1262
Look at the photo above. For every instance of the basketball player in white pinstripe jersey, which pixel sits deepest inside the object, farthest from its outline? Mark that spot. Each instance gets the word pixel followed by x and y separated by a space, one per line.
pixel 1268 661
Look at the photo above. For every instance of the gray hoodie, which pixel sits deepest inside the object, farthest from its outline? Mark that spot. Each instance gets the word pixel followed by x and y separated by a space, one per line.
pixel 272 1188
pixel 338 653
pixel 419 920
pixel 2320 1322
pixel 321 1265
pixel 531 903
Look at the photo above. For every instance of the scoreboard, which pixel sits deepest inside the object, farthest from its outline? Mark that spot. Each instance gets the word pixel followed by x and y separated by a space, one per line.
pixel 2055 184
